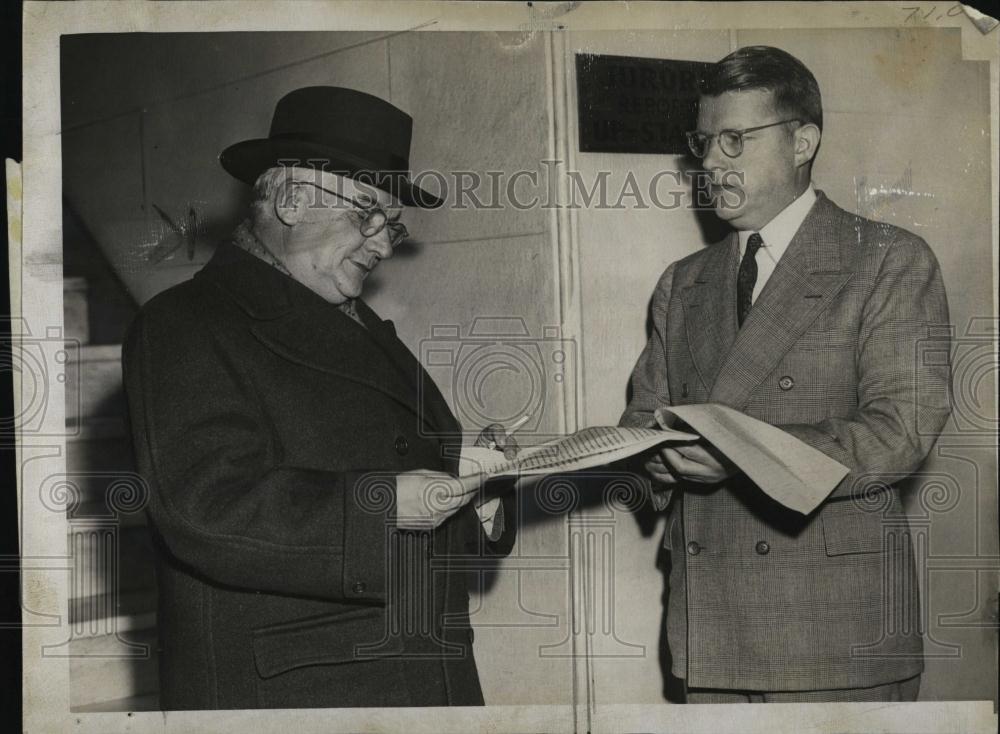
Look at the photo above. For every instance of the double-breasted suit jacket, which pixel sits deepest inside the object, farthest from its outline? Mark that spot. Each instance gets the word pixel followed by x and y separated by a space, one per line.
pixel 762 598
pixel 270 427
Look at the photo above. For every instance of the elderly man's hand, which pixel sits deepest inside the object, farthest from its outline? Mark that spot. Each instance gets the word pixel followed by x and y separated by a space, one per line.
pixel 425 499
pixel 495 436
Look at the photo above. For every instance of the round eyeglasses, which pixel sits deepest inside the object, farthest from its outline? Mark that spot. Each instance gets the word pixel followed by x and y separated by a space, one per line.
pixel 373 218
pixel 730 141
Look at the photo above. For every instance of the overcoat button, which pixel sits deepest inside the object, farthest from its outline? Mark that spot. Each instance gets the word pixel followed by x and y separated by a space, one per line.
pixel 693 548
pixel 763 547
pixel 786 383
pixel 359 587
pixel 402 445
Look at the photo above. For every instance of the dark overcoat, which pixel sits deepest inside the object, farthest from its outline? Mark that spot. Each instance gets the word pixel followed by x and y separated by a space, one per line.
pixel 270 426
pixel 846 348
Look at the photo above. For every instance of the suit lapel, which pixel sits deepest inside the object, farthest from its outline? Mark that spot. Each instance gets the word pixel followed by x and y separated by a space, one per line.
pixel 710 309
pixel 807 278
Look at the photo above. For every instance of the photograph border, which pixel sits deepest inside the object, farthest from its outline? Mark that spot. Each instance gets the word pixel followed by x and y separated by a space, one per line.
pixel 36 280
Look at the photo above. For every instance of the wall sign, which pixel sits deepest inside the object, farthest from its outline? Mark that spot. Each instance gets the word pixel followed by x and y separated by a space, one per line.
pixel 634 105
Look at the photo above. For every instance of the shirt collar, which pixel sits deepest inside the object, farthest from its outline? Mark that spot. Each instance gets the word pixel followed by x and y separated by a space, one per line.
pixel 778 233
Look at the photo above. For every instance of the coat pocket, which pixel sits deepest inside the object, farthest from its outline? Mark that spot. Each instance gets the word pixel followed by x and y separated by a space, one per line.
pixel 850 529
pixel 357 635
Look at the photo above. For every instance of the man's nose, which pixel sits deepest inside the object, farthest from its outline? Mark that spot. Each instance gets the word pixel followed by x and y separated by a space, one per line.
pixel 715 160
pixel 380 244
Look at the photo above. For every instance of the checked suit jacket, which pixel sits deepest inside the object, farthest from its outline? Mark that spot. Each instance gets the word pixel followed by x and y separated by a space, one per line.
pixel 834 352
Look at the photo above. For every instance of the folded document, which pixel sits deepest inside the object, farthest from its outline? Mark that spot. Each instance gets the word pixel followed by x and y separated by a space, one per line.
pixel 786 469
pixel 584 449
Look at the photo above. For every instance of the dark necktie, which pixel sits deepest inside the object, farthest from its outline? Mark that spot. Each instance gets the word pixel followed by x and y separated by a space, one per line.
pixel 747 277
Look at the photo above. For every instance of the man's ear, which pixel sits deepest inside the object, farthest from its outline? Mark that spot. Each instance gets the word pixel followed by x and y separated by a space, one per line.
pixel 807 139
pixel 289 204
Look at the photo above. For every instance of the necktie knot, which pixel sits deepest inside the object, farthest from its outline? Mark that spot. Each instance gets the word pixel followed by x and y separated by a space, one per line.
pixel 754 243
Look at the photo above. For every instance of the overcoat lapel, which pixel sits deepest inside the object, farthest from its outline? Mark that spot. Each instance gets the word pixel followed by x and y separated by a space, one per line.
pixel 298 325
pixel 433 407
pixel 803 284
pixel 710 309
pixel 332 342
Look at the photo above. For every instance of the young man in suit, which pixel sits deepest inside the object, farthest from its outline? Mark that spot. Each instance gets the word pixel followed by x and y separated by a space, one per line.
pixel 303 494
pixel 809 318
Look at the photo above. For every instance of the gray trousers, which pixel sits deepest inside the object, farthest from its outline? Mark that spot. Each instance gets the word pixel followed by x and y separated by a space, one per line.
pixel 901 690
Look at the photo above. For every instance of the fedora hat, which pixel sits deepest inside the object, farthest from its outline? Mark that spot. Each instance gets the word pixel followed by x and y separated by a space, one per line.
pixel 342 131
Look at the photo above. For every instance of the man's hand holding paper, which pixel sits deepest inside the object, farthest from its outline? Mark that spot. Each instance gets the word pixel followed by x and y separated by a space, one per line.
pixel 783 467
pixel 425 499
pixel 697 461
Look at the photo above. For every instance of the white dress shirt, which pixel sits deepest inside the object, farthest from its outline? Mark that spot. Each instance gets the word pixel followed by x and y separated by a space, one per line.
pixel 777 234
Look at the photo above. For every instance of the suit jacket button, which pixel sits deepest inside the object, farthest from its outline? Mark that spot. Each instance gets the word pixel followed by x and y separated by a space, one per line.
pixel 359 587
pixel 402 445
pixel 763 547
pixel 693 548
pixel 786 383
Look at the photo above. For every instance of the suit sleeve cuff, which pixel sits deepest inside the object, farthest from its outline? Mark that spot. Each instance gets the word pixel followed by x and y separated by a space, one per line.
pixel 660 498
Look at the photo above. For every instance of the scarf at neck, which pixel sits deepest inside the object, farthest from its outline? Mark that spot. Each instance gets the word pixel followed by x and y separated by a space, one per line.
pixel 245 239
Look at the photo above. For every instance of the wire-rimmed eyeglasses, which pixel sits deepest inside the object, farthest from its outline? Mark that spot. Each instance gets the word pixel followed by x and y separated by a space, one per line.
pixel 373 217
pixel 730 141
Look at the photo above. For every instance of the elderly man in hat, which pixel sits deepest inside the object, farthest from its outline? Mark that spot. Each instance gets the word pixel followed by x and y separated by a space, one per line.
pixel 304 494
